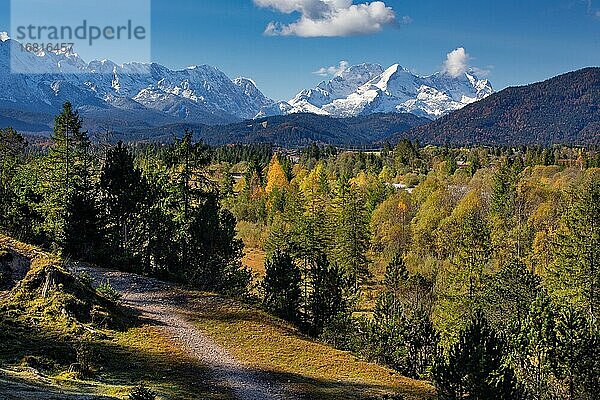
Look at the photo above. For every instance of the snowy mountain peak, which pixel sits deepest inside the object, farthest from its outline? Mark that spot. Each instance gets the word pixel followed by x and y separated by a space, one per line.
pixel 131 93
pixel 369 88
pixel 360 70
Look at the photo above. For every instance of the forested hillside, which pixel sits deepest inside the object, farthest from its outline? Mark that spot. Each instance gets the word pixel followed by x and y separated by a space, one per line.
pixel 148 214
pixel 561 110
pixel 295 130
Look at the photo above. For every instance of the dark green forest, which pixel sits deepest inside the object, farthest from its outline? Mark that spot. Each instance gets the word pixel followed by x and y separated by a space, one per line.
pixel 564 109
pixel 474 268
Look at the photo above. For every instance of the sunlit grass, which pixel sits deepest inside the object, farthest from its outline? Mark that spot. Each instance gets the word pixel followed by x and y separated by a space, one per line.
pixel 309 368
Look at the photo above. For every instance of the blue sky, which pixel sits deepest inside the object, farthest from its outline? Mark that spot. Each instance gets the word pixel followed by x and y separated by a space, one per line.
pixel 516 41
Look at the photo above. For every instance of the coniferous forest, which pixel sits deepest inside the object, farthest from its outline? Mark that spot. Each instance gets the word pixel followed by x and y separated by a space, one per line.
pixel 476 269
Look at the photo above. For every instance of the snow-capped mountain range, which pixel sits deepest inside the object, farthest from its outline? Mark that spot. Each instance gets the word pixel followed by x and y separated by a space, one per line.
pixel 128 94
pixel 369 88
pixel 111 96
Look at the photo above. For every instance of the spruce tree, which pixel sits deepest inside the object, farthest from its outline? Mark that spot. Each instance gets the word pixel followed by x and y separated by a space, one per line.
pixel 475 367
pixel 67 169
pixel 405 337
pixel 575 355
pixel 281 285
pixel 535 345
pixel 508 295
pixel 575 274
pixel 122 192
pixel 328 297
pixel 12 155
pixel 351 239
pixel 83 237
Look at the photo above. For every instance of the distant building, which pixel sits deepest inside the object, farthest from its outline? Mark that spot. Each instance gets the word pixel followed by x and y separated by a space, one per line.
pixel 401 187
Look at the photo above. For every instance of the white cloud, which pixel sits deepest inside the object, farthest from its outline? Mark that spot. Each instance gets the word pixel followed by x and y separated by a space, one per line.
pixel 482 72
pixel 329 18
pixel 334 70
pixel 457 62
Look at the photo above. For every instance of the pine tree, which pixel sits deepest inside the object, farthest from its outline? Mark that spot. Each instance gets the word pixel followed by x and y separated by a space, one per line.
pixel 575 274
pixel 227 183
pixel 389 305
pixel 12 155
pixel 186 158
pixel 122 191
pixel 158 230
pixel 328 297
pixel 502 202
pixel 574 354
pixel 68 165
pixel 508 295
pixel 281 285
pixel 465 236
pixel 210 251
pixel 405 155
pixel 475 368
pixel 313 228
pixel 405 336
pixel 507 216
pixel 534 348
pixel 83 238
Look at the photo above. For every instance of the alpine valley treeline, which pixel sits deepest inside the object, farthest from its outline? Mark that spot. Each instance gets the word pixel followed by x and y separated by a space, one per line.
pixel 475 268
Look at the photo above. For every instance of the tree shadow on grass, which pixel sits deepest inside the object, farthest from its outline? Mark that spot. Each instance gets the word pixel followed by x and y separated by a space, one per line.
pixel 142 356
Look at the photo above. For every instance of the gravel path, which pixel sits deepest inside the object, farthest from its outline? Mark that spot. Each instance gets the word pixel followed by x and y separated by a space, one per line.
pixel 165 304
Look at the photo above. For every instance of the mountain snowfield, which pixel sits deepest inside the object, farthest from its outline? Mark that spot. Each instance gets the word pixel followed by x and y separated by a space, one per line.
pixel 123 95
pixel 135 95
pixel 369 88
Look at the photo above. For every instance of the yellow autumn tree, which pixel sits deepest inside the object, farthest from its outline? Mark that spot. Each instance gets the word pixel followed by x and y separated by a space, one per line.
pixel 276 178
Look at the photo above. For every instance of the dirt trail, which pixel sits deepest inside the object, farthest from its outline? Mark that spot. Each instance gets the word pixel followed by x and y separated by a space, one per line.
pixel 165 304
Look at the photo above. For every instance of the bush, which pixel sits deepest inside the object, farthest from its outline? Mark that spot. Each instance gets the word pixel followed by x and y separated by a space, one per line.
pixel 85 278
pixel 110 293
pixel 142 393
pixel 236 280
pixel 340 331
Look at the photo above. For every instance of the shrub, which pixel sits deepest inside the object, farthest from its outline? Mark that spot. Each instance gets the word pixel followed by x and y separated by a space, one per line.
pixel 142 393
pixel 110 293
pixel 340 331
pixel 85 278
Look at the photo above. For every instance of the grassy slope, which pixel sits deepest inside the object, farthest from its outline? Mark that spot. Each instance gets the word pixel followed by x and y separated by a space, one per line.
pixel 320 371
pixel 311 369
pixel 37 348
pixel 143 354
pixel 138 355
